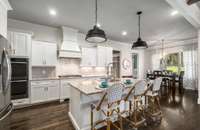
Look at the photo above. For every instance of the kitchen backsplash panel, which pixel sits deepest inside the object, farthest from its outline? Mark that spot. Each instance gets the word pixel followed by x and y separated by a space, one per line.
pixel 67 67
pixel 43 72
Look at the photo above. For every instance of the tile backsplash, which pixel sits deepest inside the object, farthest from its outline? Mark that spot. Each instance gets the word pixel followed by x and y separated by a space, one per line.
pixel 67 67
pixel 43 72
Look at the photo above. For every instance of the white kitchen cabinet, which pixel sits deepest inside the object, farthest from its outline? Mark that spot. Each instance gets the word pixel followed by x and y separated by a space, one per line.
pixel 4 7
pixel 64 89
pixel 39 94
pixel 104 56
pixel 89 56
pixel 20 43
pixel 42 91
pixel 44 54
pixel 53 92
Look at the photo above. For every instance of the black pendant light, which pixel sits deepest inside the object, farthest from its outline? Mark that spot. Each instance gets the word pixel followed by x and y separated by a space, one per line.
pixel 96 35
pixel 139 44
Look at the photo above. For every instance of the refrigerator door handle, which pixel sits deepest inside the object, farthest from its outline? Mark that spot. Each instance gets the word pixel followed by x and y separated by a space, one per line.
pixel 8 78
pixel 8 113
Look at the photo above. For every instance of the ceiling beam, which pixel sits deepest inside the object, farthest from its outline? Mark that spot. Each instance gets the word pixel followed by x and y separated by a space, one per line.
pixel 189 2
pixel 191 13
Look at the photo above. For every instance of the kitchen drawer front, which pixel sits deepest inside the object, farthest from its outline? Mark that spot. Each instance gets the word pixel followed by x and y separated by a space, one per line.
pixel 49 83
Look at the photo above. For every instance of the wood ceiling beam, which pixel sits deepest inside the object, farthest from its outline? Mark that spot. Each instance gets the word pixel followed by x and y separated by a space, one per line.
pixel 189 2
pixel 191 13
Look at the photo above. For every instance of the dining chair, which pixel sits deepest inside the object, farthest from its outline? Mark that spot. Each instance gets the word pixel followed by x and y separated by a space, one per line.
pixel 135 98
pixel 109 106
pixel 180 81
pixel 153 106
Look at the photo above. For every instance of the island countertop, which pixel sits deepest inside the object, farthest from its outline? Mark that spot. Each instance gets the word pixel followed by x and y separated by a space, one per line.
pixel 89 86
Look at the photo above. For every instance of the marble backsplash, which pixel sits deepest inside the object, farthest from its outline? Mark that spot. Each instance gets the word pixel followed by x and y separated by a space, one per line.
pixel 67 67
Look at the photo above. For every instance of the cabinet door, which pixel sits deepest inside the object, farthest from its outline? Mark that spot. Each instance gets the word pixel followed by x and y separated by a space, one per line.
pixel 53 93
pixel 101 56
pixel 20 44
pixel 88 57
pixel 37 54
pixel 39 94
pixel 50 54
pixel 64 90
pixel 3 21
pixel 109 55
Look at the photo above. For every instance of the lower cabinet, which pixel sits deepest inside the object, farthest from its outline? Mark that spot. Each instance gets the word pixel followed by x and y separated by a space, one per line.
pixel 64 89
pixel 42 91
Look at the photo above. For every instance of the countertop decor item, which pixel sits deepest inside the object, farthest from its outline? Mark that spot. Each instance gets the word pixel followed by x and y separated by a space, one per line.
pixel 139 44
pixel 96 35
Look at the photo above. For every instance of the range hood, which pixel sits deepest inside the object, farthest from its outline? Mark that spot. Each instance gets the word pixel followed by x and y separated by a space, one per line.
pixel 69 47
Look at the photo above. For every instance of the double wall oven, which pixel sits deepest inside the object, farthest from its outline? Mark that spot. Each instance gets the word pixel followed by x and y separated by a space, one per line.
pixel 19 78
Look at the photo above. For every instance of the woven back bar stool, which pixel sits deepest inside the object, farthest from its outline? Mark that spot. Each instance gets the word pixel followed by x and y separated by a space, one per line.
pixel 153 109
pixel 111 99
pixel 135 97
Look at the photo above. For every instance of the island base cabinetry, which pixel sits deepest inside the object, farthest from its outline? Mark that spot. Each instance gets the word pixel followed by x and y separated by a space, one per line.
pixel 80 110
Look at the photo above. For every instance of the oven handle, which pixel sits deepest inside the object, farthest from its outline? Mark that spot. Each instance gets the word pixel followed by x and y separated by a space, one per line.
pixel 8 113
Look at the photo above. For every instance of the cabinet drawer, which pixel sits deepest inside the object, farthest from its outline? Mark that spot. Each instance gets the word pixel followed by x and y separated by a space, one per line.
pixel 49 83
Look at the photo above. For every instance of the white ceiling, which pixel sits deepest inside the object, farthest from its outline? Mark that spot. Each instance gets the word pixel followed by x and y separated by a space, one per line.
pixel 114 16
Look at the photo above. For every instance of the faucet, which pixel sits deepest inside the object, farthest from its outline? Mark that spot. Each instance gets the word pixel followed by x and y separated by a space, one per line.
pixel 109 71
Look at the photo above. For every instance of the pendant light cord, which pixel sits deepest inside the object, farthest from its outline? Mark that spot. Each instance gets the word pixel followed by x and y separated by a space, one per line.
pixel 139 13
pixel 139 25
pixel 96 12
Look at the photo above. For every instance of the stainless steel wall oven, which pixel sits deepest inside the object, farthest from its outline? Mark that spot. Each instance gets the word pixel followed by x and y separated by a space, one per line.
pixel 19 78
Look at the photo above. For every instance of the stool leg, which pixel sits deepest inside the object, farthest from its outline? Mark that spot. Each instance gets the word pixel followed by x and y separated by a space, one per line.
pixel 92 125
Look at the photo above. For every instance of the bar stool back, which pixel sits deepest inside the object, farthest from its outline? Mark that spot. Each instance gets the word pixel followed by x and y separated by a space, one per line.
pixel 136 104
pixel 154 110
pixel 114 96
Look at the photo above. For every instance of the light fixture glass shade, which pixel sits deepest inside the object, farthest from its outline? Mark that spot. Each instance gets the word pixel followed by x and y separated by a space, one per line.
pixel 139 44
pixel 96 35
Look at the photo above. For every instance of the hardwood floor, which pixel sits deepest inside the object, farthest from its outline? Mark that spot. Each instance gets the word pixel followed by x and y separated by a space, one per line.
pixel 52 116
pixel 181 112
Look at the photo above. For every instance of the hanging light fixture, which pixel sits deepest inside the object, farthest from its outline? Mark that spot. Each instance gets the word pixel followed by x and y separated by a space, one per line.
pixel 139 44
pixel 96 35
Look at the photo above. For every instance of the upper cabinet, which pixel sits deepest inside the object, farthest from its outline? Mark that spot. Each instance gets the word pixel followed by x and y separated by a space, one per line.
pixel 4 7
pixel 20 43
pixel 96 57
pixel 104 56
pixel 44 54
pixel 89 56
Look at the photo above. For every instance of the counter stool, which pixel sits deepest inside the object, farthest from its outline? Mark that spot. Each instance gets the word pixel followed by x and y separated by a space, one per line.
pixel 153 109
pixel 114 97
pixel 135 98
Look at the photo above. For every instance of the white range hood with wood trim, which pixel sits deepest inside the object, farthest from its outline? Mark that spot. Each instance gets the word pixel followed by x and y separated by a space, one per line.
pixel 69 47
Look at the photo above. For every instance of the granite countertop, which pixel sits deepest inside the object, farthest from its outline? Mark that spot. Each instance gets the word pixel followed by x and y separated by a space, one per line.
pixel 89 87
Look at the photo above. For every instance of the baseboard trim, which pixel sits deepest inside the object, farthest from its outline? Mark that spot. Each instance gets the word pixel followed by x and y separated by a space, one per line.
pixel 73 121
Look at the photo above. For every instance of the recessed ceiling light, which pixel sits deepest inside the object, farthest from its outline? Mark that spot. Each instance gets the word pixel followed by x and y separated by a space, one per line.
pixel 98 25
pixel 175 12
pixel 52 12
pixel 124 33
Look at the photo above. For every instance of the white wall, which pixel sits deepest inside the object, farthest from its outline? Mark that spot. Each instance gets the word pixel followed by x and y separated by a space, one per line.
pixel 54 35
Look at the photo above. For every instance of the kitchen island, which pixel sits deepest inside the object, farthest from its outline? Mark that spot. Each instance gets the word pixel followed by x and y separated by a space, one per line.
pixel 82 93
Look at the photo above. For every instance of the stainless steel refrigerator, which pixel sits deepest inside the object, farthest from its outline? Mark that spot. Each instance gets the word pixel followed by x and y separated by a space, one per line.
pixel 5 77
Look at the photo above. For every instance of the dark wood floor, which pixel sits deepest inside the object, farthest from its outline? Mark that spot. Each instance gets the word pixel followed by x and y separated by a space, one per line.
pixel 180 113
